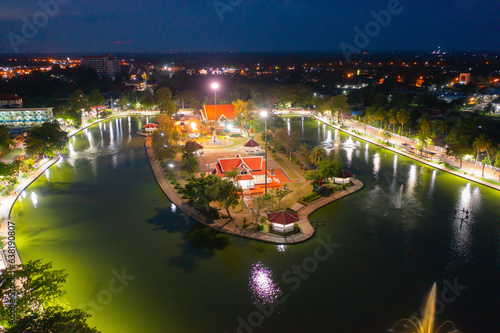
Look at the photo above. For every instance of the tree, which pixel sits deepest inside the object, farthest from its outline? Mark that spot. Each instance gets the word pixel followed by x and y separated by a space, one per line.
pixel 244 111
pixel 379 115
pixel 423 141
pixel 440 126
pixel 164 100
pixel 425 124
pixel 147 101
pixel 458 147
pixel 38 295
pixel 339 106
pixel 385 134
pixel 392 117
pixel 190 164
pixel 95 98
pixel 403 117
pixel 485 161
pixel 288 141
pixel 329 169
pixel 497 163
pixel 5 140
pixel 46 139
pixel 317 156
pixel 304 153
pixel 199 191
pixel 314 176
pixel 40 287
pixel 280 194
pixel 54 319
pixel 227 194
pixel 480 144
pixel 260 203
pixel 123 102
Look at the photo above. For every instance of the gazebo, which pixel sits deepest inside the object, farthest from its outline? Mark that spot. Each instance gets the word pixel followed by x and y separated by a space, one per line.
pixel 283 221
pixel 150 127
pixel 250 144
pixel 199 148
pixel 344 177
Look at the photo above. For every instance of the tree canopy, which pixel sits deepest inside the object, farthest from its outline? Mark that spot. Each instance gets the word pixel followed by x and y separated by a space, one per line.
pixel 47 139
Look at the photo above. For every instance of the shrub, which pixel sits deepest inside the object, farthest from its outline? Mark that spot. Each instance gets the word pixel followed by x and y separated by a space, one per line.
pixel 263 219
pixel 235 135
pixel 310 197
pixel 177 186
pixel 260 227
pixel 245 225
pixel 244 220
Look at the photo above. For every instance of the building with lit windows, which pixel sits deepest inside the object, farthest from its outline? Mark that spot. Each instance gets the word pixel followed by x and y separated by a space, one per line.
pixel 103 65
pixel 25 117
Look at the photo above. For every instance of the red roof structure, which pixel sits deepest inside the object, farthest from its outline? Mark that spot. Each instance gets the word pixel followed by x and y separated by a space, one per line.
pixel 345 174
pixel 252 166
pixel 225 111
pixel 283 217
pixel 150 125
pixel 9 97
pixel 198 146
pixel 251 143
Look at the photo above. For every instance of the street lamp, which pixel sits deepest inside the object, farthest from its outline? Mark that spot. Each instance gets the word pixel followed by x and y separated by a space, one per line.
pixel 215 86
pixel 264 115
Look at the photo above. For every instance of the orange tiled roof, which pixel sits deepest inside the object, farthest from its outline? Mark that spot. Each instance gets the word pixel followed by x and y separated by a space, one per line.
pixel 226 110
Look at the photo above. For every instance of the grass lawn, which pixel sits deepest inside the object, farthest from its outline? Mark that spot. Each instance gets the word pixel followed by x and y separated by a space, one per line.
pixel 12 154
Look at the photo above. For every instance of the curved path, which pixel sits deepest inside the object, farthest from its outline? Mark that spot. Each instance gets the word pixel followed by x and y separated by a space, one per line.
pixel 307 230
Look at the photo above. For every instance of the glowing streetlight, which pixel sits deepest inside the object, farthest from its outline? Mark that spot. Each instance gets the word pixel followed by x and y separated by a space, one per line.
pixel 215 86
pixel 193 126
pixel 264 114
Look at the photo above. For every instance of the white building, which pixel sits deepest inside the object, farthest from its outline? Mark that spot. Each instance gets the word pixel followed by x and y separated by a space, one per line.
pixel 10 101
pixel 25 117
pixel 103 65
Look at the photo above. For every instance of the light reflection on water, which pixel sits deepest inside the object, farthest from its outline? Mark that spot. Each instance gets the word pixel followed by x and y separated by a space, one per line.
pixel 468 203
pixel 261 284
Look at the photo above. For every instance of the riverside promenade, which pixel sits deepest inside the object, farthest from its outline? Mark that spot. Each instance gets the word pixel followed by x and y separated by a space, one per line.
pixel 306 229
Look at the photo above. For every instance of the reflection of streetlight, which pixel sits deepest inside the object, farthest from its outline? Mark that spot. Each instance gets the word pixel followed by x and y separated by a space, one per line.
pixel 264 115
pixel 215 86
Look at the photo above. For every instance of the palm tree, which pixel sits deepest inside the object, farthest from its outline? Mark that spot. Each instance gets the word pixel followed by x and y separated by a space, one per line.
pixel 440 126
pixel 482 143
pixel 379 115
pixel 425 123
pixel 392 117
pixel 318 155
pixel 403 117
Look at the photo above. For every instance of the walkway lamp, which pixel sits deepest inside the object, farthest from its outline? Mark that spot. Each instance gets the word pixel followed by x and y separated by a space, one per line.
pixel 264 114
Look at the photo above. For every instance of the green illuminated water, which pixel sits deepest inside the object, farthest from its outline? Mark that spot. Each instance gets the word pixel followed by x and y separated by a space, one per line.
pixel 101 211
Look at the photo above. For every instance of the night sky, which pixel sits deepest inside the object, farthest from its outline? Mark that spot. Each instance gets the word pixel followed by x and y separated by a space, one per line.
pixel 251 25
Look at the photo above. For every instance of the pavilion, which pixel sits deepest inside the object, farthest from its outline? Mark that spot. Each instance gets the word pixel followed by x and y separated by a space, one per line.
pixel 150 127
pixel 283 221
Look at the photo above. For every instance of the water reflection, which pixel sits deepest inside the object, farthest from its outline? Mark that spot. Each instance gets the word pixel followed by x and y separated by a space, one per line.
pixel 467 205
pixel 34 199
pixel 281 248
pixel 376 165
pixel 261 283
pixel 47 174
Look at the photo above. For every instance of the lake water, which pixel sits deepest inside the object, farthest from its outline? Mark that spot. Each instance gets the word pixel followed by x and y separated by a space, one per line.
pixel 139 265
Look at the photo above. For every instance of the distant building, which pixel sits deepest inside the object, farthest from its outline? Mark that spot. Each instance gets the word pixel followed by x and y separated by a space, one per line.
pixel 464 78
pixel 10 101
pixel 103 65
pixel 25 117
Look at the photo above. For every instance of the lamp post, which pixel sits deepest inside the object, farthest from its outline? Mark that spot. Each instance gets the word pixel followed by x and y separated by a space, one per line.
pixel 215 86
pixel 264 115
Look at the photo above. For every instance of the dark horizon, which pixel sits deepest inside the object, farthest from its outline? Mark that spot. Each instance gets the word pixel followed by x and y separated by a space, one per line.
pixel 247 26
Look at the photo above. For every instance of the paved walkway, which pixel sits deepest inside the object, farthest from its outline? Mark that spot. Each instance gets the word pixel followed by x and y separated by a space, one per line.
pixel 307 230
pixel 398 141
